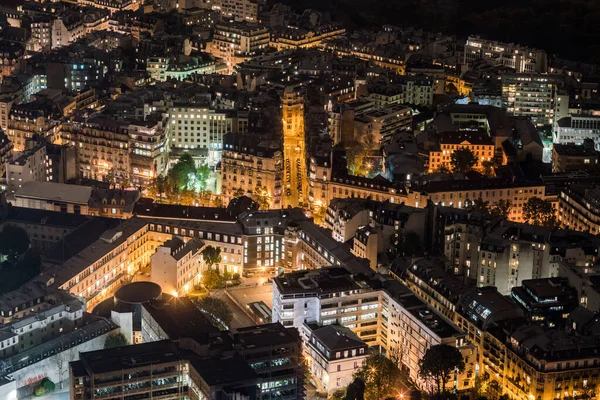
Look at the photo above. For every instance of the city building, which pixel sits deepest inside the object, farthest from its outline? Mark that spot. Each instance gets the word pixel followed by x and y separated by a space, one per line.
pixel 480 144
pixel 72 199
pixel 572 157
pixel 334 353
pixel 102 148
pixel 244 10
pixel 520 58
pixel 529 95
pixel 163 368
pixel 548 301
pixel 41 333
pixel 578 208
pixel 176 266
pixel 236 42
pixel 29 166
pixel 345 216
pixel 576 129
pixel 252 169
pixel 381 124
pixel 197 131
pixel 275 353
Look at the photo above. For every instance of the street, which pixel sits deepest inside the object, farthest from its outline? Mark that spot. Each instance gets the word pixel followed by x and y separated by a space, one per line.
pixel 240 318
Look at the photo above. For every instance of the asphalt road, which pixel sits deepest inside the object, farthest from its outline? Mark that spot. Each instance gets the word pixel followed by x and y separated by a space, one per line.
pixel 240 319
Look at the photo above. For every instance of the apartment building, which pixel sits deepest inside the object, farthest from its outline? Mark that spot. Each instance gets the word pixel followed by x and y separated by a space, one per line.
pixel 368 243
pixel 253 169
pixel 334 353
pixel 163 368
pixel 275 353
pixel 578 208
pixel 297 38
pixel 235 42
pixel 522 59
pixel 457 193
pixel 102 147
pixel 177 266
pixel 48 330
pixel 29 166
pixel 529 95
pixel 344 216
pixel 239 10
pixel 148 148
pixel 29 119
pixel 548 301
pixel 390 317
pixel 381 124
pixel 576 129
pixel 572 157
pixel 197 131
pixel 480 144
pixel 414 90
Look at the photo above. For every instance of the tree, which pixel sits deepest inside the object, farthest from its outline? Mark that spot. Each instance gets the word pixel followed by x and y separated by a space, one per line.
pixel 14 241
pixel 158 187
pixel 217 310
pixel 493 390
pixel 202 175
pixel 439 363
pixel 443 168
pixel 501 208
pixel 239 192
pixel 479 205
pixel 262 197
pixel 488 168
pixel 187 197
pixel 210 279
pixel 183 175
pixel 588 392
pixel 540 212
pixel 380 375
pixel 355 390
pixel 463 160
pixel 111 178
pixel 396 354
pixel 115 340
pixel 406 244
pixel 211 256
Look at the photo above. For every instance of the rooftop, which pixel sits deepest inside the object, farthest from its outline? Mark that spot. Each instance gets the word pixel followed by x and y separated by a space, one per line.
pixel 55 191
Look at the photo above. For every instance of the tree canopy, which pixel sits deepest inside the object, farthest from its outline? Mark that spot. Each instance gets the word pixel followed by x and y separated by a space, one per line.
pixel 217 310
pixel 115 340
pixel 380 376
pixel 439 363
pixel 13 242
pixel 463 160
pixel 211 255
pixel 540 212
pixel 210 279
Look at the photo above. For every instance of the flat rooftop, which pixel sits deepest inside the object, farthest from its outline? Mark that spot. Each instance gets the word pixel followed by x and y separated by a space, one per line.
pixel 60 192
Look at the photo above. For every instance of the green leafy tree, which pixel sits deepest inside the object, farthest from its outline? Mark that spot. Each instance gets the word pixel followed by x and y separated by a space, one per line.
pixel 115 340
pixel 262 197
pixel 158 188
pixel 210 279
pixel 463 160
pixel 540 212
pixel 14 241
pixel 479 205
pixel 439 363
pixel 488 168
pixel 202 175
pixel 355 390
pixel 406 244
pixel 217 310
pixel 380 375
pixel 501 208
pixel 443 168
pixel 183 174
pixel 211 255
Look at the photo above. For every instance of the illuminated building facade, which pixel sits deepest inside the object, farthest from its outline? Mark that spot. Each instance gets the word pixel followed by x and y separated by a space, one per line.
pixel 294 153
